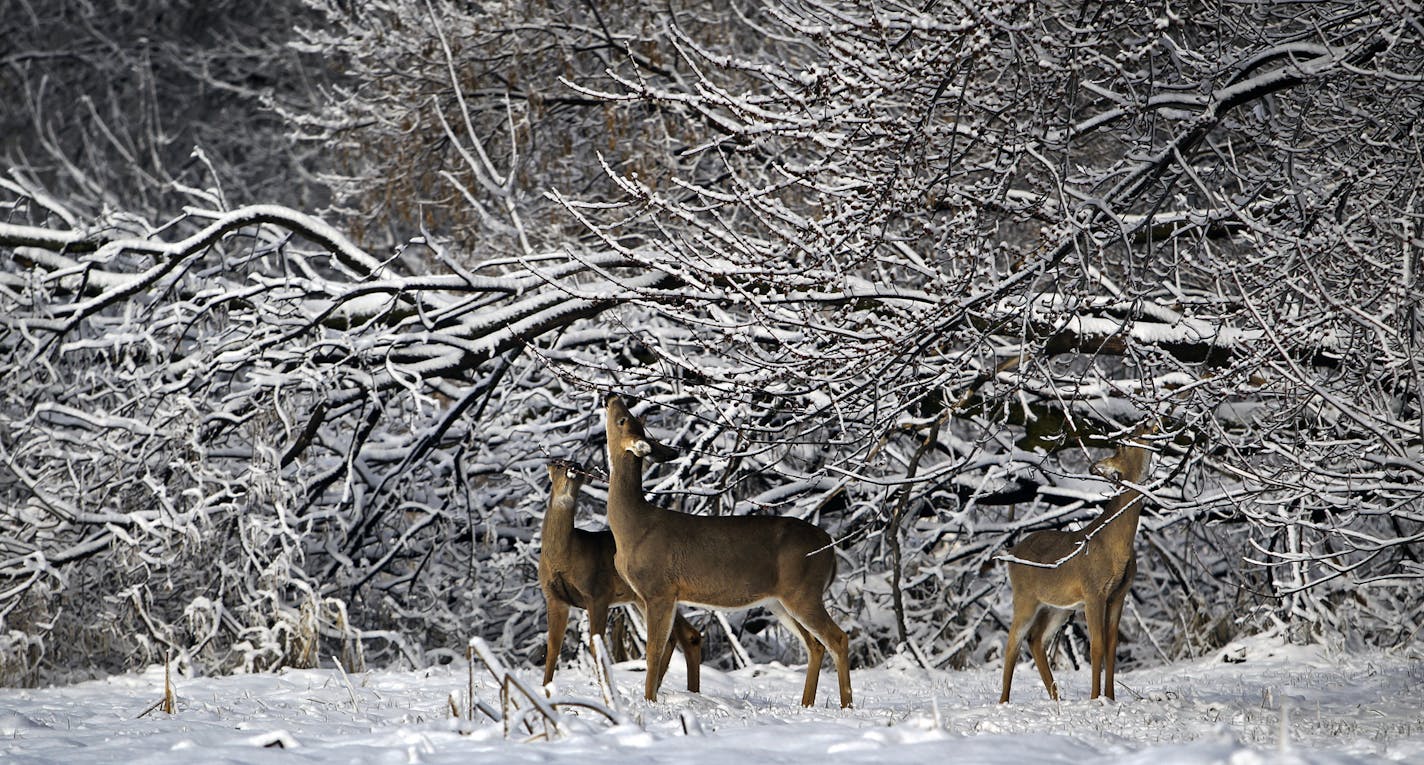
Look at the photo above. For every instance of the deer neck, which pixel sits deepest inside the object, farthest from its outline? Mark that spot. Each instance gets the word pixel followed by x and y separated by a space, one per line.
pixel 1117 526
pixel 558 523
pixel 626 504
pixel 1115 529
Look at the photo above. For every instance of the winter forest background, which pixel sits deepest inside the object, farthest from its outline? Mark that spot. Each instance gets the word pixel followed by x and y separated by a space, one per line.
pixel 298 298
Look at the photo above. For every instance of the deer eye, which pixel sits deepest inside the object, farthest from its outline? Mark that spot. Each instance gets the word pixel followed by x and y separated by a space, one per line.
pixel 622 421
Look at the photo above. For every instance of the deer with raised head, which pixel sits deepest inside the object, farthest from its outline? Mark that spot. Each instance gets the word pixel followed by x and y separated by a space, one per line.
pixel 1053 573
pixel 723 562
pixel 576 569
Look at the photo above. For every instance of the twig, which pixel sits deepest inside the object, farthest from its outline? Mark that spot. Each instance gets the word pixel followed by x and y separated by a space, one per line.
pixel 508 681
pixel 738 650
pixel 170 701
pixel 691 726
pixel 603 672
pixel 349 687
pixel 547 709
pixel 470 679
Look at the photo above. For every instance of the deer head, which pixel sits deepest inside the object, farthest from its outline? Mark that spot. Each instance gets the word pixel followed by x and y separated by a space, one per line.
pixel 625 433
pixel 1127 463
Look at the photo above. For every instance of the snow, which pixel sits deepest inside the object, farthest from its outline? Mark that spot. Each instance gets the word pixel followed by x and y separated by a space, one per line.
pixel 1257 701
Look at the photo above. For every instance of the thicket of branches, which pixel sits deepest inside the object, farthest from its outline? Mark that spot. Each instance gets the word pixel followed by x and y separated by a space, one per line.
pixel 903 271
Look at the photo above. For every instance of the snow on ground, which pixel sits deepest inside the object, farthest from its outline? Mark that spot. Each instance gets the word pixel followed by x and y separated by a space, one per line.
pixel 1274 703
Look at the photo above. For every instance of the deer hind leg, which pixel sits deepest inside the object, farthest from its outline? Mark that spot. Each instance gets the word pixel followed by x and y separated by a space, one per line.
pixel 815 651
pixel 811 613
pixel 659 615
pixel 1024 613
pixel 1041 631
pixel 689 639
pixel 558 613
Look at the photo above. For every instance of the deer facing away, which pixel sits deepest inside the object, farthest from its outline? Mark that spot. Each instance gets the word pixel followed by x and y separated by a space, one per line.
pixel 1091 568
pixel 725 562
pixel 576 569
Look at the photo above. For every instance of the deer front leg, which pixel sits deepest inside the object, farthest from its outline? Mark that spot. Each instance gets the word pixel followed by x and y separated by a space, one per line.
pixel 558 617
pixel 686 637
pixel 1114 616
pixel 666 660
pixel 690 641
pixel 1095 613
pixel 678 635
pixel 659 614
pixel 597 624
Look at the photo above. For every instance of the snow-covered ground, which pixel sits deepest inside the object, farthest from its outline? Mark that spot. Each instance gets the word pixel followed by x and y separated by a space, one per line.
pixel 1273 703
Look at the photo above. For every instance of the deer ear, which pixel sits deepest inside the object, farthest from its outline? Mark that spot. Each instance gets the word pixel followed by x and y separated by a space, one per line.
pixel 659 451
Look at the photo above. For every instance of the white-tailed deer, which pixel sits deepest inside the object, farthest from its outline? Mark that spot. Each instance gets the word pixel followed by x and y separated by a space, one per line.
pixel 725 562
pixel 1052 573
pixel 576 569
